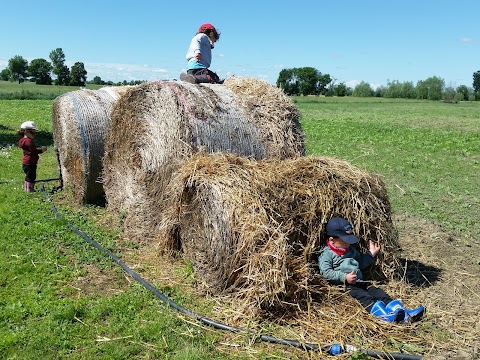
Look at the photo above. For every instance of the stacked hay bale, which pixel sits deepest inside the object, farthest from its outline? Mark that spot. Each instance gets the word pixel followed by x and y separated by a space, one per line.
pixel 273 113
pixel 80 123
pixel 254 226
pixel 158 125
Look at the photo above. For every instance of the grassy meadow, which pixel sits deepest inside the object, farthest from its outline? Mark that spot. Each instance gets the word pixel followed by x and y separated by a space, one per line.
pixel 427 152
pixel 28 90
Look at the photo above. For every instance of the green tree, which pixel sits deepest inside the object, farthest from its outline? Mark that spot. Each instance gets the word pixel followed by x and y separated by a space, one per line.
pixel 322 82
pixel 396 89
pixel 408 90
pixel 63 76
pixel 57 56
pixel 431 88
pixel 307 78
pixel 450 95
pixel 340 90
pixel 393 89
pixel 59 68
pixel 476 81
pixel 5 74
pixel 288 81
pixel 363 90
pixel 380 91
pixel 18 68
pixel 78 74
pixel 39 70
pixel 97 80
pixel 422 90
pixel 304 81
pixel 463 91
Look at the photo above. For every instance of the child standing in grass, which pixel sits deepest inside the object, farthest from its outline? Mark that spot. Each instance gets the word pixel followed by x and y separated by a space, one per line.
pixel 199 56
pixel 341 264
pixel 28 130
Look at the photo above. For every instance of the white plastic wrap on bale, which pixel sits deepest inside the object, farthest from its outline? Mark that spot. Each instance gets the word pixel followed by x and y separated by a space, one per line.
pixel 81 120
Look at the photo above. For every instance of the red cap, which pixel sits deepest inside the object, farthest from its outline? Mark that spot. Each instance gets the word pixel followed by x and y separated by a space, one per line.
pixel 206 26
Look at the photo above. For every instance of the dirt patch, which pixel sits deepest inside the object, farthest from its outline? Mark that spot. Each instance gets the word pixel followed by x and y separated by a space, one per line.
pixel 99 282
pixel 445 270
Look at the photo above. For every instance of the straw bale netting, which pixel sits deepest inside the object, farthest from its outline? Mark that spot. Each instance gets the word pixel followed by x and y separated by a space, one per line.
pixel 157 125
pixel 80 123
pixel 254 226
pixel 267 105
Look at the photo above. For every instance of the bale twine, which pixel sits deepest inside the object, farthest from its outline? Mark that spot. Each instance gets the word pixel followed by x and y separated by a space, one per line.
pixel 80 123
pixel 157 125
pixel 253 227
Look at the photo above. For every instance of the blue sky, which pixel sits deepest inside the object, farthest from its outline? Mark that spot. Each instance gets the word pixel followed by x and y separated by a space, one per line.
pixel 352 40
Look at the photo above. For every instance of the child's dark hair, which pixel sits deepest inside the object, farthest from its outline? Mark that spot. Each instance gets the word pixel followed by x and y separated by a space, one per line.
pixel 22 132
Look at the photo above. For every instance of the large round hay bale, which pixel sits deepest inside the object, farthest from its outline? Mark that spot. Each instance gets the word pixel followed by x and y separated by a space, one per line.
pixel 81 120
pixel 157 125
pixel 254 226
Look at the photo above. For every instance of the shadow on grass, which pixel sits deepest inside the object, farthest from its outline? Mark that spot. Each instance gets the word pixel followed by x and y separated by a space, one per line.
pixel 419 274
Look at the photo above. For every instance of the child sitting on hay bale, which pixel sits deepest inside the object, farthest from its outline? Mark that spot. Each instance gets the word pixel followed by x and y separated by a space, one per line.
pixel 341 263
pixel 199 57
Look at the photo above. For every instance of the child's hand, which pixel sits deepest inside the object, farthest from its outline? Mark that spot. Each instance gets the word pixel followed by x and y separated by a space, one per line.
pixel 351 277
pixel 374 248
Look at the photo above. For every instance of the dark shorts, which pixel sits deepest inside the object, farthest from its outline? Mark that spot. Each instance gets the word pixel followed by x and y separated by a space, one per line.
pixel 205 76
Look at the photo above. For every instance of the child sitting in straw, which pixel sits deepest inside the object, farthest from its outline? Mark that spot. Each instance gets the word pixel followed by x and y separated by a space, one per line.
pixel 341 264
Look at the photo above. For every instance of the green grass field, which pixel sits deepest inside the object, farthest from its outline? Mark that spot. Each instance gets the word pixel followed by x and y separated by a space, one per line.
pixel 427 152
pixel 28 90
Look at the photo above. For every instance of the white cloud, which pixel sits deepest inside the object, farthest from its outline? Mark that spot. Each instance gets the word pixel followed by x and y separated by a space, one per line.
pixel 119 72
pixel 375 86
pixel 352 83
pixel 467 40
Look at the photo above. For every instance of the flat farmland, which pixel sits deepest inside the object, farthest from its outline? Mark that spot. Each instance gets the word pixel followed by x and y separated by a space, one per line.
pixel 428 153
pixel 60 298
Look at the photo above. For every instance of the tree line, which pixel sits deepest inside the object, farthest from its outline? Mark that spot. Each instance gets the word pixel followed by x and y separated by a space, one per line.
pixel 295 81
pixel 310 81
pixel 40 71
